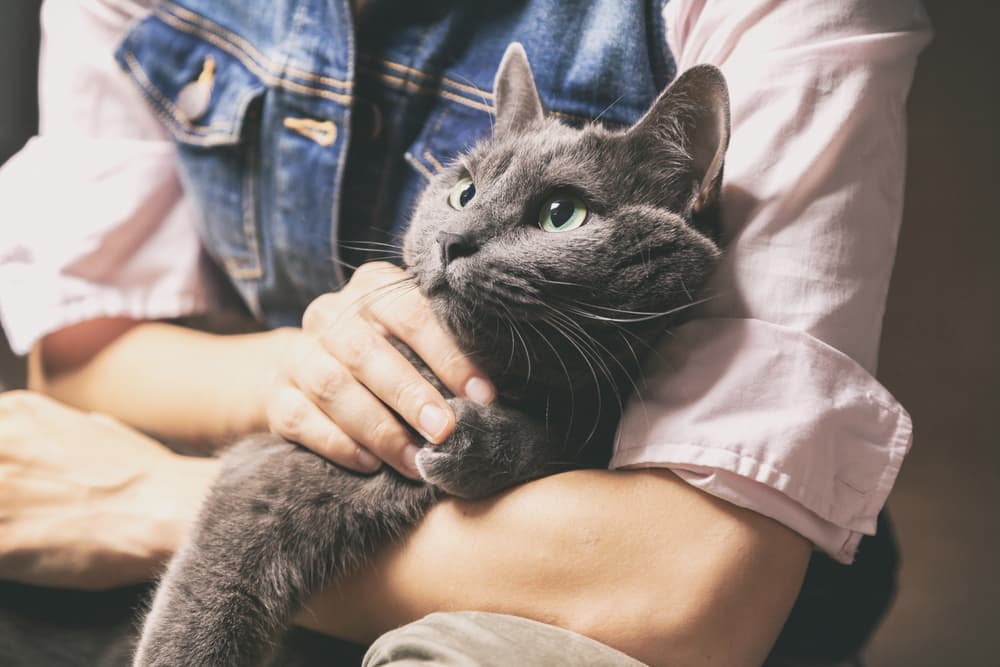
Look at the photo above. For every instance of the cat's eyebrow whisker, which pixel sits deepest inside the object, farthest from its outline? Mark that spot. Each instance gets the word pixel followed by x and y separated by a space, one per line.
pixel 686 291
pixel 608 108
pixel 482 97
pixel 548 281
pixel 466 164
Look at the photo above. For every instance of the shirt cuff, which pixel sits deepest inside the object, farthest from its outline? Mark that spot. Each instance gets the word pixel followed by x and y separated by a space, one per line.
pixel 29 312
pixel 774 420
pixel 96 228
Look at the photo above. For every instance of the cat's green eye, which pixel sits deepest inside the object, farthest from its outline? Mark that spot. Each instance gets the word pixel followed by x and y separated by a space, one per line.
pixel 562 213
pixel 463 192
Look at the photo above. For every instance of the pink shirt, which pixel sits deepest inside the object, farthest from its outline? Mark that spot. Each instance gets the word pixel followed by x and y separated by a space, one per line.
pixel 767 400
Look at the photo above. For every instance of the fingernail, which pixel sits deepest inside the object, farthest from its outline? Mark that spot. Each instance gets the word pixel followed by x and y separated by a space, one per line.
pixel 367 460
pixel 410 460
pixel 433 421
pixel 481 391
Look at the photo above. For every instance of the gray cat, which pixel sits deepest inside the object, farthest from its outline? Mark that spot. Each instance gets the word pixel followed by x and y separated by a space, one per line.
pixel 554 256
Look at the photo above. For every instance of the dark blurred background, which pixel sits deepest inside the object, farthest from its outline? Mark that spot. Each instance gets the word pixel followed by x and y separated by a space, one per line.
pixel 938 358
pixel 938 355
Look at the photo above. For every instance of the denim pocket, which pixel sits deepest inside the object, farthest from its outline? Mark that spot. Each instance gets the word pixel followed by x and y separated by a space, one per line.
pixel 210 102
pixel 452 128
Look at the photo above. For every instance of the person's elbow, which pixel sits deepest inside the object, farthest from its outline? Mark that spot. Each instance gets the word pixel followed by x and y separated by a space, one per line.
pixel 721 601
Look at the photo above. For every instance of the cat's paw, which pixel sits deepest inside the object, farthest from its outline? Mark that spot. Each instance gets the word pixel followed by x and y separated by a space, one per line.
pixel 491 449
pixel 457 465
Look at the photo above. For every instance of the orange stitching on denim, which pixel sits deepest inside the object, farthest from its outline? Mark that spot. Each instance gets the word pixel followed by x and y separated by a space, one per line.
pixel 418 165
pixel 444 79
pixel 265 76
pixel 467 102
pixel 187 15
pixel 407 84
pixel 434 161
pixel 323 132
pixel 482 94
pixel 235 269
pixel 396 66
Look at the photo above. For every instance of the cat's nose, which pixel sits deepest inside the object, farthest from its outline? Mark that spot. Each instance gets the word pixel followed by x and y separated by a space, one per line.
pixel 453 246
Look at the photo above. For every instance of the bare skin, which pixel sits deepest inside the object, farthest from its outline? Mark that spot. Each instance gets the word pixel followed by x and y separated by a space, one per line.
pixel 639 560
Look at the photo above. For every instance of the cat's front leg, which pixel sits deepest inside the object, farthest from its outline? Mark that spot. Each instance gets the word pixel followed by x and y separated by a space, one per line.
pixel 492 448
pixel 279 524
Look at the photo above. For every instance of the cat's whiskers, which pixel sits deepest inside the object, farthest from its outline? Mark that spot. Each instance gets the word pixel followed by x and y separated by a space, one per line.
pixel 524 344
pixel 596 347
pixel 579 308
pixel 569 380
pixel 685 288
pixel 376 251
pixel 597 343
pixel 560 329
pixel 362 243
pixel 366 300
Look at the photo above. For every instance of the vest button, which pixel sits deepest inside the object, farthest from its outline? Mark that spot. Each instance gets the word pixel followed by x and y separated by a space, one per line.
pixel 194 98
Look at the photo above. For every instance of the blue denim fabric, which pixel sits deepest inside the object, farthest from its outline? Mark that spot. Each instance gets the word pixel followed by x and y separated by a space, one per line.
pixel 397 94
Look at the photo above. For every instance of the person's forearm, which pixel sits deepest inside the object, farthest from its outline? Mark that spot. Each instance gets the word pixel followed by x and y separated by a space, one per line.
pixel 638 560
pixel 161 378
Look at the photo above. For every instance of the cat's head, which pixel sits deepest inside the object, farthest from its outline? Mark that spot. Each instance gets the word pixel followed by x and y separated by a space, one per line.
pixel 546 244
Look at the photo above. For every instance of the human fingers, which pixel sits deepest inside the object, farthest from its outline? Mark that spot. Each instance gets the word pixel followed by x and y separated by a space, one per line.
pixel 408 317
pixel 343 397
pixel 379 366
pixel 296 418
pixel 381 293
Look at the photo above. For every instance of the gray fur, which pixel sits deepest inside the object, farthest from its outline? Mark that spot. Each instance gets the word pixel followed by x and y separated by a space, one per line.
pixel 558 320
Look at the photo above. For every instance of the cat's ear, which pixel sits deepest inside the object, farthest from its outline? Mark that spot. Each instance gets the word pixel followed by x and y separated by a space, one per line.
pixel 517 102
pixel 694 113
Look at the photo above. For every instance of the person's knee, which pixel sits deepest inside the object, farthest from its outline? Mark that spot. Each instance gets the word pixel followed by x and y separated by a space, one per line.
pixel 481 639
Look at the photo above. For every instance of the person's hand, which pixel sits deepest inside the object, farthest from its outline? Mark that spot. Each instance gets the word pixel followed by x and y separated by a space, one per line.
pixel 86 502
pixel 338 395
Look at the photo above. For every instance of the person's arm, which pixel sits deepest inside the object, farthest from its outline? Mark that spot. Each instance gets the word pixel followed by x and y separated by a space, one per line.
pixel 639 560
pixel 86 502
pixel 768 400
pixel 178 383
pixel 98 236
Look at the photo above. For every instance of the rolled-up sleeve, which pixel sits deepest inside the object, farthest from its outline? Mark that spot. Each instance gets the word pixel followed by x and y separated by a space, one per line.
pixel 768 400
pixel 95 223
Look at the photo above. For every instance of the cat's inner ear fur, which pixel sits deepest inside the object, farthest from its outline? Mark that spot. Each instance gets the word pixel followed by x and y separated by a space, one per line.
pixel 694 113
pixel 517 102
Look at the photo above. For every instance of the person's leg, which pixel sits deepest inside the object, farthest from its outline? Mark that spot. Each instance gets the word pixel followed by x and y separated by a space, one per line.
pixel 480 639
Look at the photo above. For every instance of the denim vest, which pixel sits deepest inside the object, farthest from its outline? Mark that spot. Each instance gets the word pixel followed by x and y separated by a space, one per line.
pixel 299 128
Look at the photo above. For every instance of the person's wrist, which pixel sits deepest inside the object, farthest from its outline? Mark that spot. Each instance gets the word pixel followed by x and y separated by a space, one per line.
pixel 177 488
pixel 258 360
